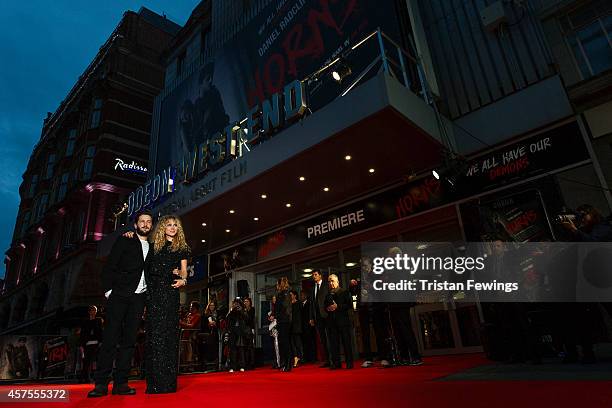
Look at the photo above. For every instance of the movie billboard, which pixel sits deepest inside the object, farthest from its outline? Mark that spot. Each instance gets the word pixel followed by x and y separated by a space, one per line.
pixel 19 357
pixel 287 40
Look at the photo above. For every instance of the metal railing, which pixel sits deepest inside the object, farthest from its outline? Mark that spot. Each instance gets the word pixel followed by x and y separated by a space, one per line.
pixel 196 348
pixel 354 65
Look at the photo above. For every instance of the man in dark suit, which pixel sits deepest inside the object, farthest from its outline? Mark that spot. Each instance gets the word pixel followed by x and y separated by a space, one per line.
pixel 308 332
pixel 318 314
pixel 124 285
pixel 338 305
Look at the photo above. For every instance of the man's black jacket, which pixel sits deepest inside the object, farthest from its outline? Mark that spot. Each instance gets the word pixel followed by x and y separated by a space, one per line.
pixel 124 266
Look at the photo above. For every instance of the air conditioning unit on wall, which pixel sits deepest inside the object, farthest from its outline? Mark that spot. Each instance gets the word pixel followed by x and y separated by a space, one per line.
pixel 493 16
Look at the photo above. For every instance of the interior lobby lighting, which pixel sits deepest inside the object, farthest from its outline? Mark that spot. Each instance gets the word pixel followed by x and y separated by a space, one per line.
pixel 288 205
pixel 350 264
pixel 325 189
pixel 231 211
pixel 203 240
pixel 227 230
pixel 264 196
pixel 308 270
pixel 348 157
pixel 302 178
pixel 203 224
pixel 436 174
pixel 371 170
pixel 306 275
pixel 255 218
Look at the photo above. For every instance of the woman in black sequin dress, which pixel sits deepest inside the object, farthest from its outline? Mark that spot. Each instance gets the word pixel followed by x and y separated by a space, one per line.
pixel 167 272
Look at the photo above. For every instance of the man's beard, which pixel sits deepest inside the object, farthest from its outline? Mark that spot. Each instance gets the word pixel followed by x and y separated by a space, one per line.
pixel 142 233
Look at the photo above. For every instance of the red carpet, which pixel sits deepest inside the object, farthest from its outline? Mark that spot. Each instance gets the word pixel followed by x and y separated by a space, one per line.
pixel 310 386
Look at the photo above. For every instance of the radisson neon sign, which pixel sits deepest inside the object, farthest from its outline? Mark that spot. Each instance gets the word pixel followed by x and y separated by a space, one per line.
pixel 280 110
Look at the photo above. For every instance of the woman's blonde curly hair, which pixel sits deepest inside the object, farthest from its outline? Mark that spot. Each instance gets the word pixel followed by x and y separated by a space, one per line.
pixel 179 243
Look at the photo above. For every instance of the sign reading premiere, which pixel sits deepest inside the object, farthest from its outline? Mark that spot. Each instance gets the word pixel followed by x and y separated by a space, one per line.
pixel 336 223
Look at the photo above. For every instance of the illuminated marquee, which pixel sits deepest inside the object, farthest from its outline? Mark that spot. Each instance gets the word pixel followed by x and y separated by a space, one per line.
pixel 280 110
pixel 132 167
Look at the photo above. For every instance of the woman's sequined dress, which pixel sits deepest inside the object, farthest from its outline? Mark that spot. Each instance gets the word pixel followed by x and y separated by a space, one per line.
pixel 162 321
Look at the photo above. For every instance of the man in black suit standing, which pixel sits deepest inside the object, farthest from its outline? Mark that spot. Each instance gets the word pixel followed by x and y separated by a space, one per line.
pixel 123 281
pixel 318 314
pixel 338 304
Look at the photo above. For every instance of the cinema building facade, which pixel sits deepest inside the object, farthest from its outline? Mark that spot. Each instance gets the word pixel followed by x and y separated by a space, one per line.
pixel 305 129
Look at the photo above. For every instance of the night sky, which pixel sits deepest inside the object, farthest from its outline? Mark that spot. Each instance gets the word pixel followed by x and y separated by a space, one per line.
pixel 44 47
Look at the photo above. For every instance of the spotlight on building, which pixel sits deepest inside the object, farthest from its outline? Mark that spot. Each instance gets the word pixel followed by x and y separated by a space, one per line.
pixel 341 71
pixel 453 169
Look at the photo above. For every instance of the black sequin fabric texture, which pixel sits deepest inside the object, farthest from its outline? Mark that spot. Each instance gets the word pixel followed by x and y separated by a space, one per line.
pixel 162 322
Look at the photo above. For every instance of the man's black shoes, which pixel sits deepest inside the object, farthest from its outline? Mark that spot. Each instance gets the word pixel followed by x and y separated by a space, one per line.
pixel 123 389
pixel 99 391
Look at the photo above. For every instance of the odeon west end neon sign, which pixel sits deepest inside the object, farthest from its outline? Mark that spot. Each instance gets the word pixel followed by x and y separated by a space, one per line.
pixel 280 110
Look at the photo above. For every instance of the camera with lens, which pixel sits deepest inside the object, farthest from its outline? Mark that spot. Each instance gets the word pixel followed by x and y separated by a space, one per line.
pixel 568 216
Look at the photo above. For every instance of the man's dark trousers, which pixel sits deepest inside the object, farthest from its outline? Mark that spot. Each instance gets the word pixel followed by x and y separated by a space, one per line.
pixel 123 315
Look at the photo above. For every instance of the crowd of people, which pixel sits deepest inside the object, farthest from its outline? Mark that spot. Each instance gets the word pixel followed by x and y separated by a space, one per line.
pixel 305 327
pixel 327 314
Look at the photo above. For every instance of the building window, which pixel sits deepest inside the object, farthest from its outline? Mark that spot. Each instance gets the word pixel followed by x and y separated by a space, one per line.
pixel 88 164
pixel 67 233
pixel 25 223
pixel 588 30
pixel 50 166
pixel 204 39
pixel 33 186
pixel 70 143
pixel 180 63
pixel 63 187
pixel 94 120
pixel 81 227
pixel 42 206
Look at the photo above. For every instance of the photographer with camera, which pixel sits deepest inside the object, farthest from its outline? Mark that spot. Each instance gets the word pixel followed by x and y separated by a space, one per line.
pixel 586 225
pixel 239 334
